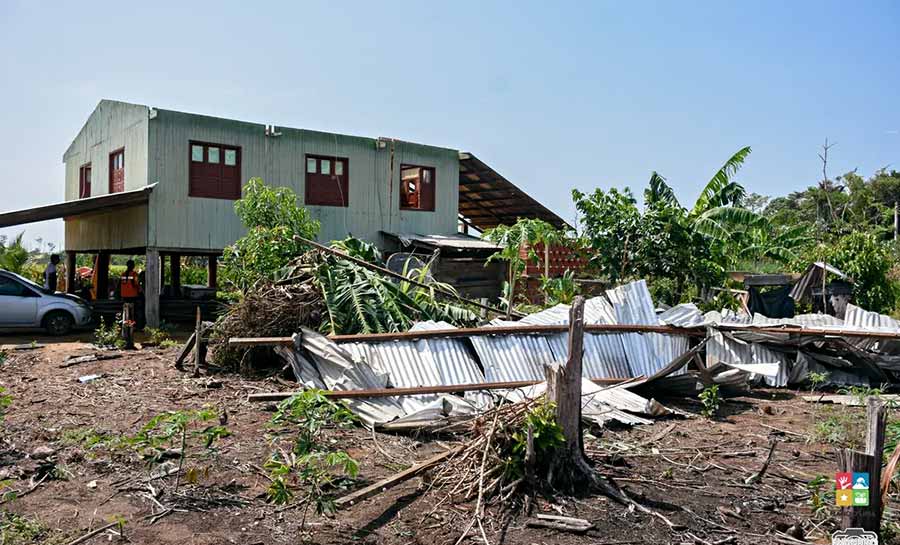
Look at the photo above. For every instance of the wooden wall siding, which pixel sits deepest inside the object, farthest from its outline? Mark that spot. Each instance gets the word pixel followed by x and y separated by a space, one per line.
pixel 180 221
pixel 112 125
pixel 116 230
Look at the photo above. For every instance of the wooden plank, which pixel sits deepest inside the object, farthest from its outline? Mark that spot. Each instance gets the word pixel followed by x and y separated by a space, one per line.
pixel 418 390
pixel 477 331
pixel 188 347
pixel 392 481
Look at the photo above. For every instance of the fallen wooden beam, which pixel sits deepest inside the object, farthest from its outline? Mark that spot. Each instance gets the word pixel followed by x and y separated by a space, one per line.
pixel 476 331
pixel 562 524
pixel 849 400
pixel 819 332
pixel 393 480
pixel 70 362
pixel 419 390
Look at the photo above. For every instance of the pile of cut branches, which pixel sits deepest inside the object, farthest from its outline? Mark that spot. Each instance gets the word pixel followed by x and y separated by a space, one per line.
pixel 266 310
pixel 509 447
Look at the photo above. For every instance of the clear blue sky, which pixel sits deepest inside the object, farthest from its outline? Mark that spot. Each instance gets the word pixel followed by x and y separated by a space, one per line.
pixel 554 96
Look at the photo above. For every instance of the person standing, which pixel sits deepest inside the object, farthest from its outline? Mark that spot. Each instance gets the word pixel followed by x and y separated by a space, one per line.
pixel 51 273
pixel 129 286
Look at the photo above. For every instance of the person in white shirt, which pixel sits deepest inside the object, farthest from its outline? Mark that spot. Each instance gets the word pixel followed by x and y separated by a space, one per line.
pixel 50 273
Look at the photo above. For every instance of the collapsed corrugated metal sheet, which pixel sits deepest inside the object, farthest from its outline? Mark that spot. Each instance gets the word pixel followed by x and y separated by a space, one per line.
pixel 813 277
pixel 647 352
pixel 604 354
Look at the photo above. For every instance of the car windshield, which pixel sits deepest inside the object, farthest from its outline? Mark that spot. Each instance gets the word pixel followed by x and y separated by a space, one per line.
pixel 30 284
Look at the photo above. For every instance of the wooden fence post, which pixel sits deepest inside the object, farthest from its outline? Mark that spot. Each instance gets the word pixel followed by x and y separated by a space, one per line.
pixel 851 461
pixel 198 344
pixel 128 325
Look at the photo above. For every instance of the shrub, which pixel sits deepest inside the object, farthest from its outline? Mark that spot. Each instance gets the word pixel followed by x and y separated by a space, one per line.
pixel 274 220
pixel 711 401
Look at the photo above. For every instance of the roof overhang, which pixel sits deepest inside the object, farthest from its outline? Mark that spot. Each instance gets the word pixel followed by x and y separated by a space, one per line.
pixel 102 203
pixel 457 243
pixel 487 199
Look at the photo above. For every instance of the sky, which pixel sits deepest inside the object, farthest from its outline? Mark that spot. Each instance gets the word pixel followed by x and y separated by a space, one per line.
pixel 554 96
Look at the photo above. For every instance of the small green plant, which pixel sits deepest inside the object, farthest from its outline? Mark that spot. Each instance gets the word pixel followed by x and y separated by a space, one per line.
pixel 18 530
pixel 862 393
pixel 821 496
pixel 711 401
pixel 5 401
pixel 3 356
pixel 157 335
pixel 179 432
pixel 87 438
pixel 560 289
pixel 168 343
pixel 312 465
pixel 546 435
pixel 840 427
pixel 109 335
pixel 817 379
pixel 34 344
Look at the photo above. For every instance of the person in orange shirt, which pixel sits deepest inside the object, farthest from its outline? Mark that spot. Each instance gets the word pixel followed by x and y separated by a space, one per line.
pixel 129 286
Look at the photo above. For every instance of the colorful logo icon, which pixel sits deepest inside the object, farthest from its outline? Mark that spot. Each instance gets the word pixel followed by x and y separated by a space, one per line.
pixel 851 489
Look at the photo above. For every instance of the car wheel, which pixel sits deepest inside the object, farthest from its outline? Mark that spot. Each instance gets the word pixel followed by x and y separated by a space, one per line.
pixel 58 323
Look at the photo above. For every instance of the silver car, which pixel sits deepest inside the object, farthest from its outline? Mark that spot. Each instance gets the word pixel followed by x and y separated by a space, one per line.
pixel 26 305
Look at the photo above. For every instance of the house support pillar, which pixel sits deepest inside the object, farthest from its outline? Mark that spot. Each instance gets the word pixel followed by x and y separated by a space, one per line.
pixel 212 277
pixel 70 271
pixel 102 272
pixel 152 281
pixel 176 274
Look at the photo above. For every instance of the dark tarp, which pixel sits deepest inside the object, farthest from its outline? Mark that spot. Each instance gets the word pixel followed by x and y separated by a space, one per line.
pixel 774 303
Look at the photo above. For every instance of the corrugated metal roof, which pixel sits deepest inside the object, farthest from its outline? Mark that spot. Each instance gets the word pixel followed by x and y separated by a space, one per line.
pixel 446 241
pixel 647 352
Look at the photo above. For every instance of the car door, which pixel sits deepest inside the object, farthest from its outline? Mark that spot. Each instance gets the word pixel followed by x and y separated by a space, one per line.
pixel 18 304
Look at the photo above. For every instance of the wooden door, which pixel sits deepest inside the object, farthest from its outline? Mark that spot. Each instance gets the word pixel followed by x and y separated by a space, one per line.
pixel 117 171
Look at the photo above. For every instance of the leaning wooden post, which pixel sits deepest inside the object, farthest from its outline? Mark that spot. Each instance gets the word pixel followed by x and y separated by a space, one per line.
pixel 198 351
pixel 852 461
pixel 564 385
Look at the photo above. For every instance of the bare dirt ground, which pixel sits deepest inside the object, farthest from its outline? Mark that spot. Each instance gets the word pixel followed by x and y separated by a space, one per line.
pixel 690 470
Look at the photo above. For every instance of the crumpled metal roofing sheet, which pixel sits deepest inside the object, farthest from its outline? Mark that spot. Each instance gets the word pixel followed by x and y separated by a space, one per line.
pixel 647 352
pixel 424 362
pixel 683 315
pixel 513 357
pixel 604 355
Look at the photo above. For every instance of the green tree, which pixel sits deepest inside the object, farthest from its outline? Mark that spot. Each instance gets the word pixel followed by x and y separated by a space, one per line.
pixel 13 255
pixel 867 260
pixel 522 235
pixel 274 220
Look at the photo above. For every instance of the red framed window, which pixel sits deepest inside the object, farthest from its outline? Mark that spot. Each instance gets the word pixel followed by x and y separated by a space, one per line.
pixel 215 171
pixel 84 181
pixel 327 181
pixel 417 187
pixel 117 171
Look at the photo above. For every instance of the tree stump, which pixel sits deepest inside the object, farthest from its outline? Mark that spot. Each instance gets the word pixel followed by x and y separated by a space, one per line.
pixel 852 461
pixel 564 390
